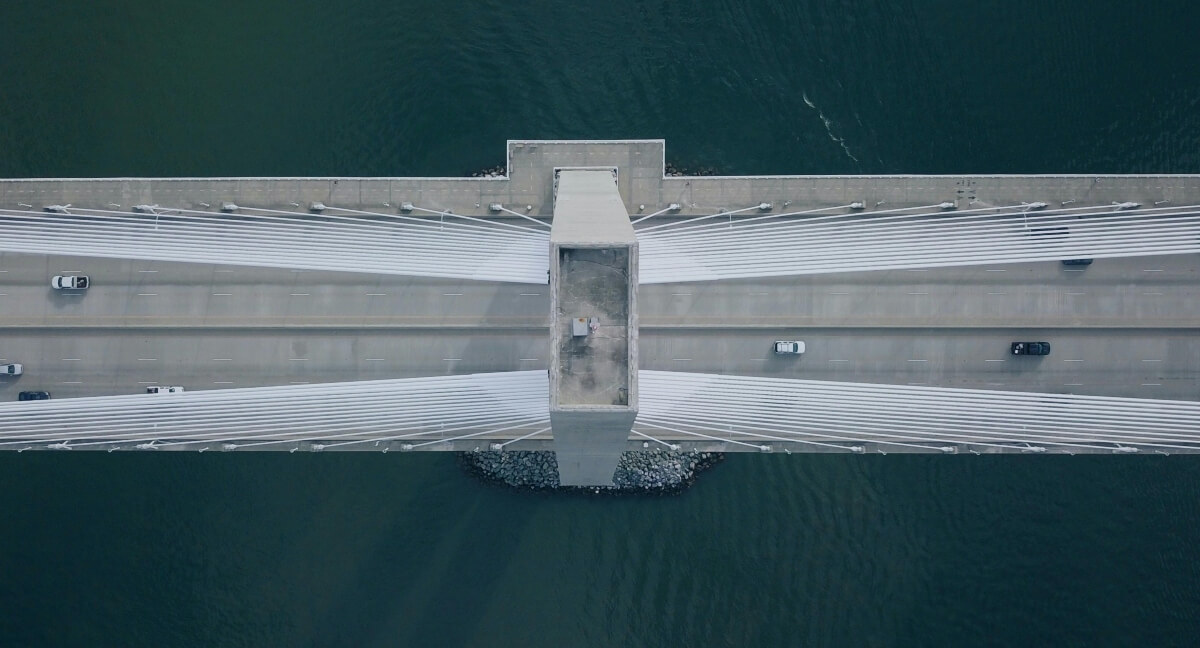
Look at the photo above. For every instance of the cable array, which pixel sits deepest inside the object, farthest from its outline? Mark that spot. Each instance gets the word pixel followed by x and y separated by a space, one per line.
pixel 442 245
pixel 801 243
pixel 415 411
pixel 856 417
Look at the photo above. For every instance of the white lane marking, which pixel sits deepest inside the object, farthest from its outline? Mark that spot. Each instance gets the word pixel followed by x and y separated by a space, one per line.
pixel 1073 270
pixel 373 359
pixel 917 269
pixel 452 294
pixel 1152 293
pixel 528 359
pixel 1072 384
pixel 839 361
pixel 1000 360
pixel 1071 360
pixel 147 382
pixel 997 293
pixel 298 294
pixel 996 384
pixel 918 361
pixel 449 359
pixel 918 293
pixel 298 359
pixel 531 294
pixel 1151 384
pixel 1151 270
pixel 148 271
pixel 995 270
pixel 681 359
pixel 222 359
pixel 222 382
pixel 376 294
pixel 759 294
pixel 147 359
pixel 72 382
pixel 71 271
pixel 3 294
pixel 1151 360
pixel 298 382
pixel 147 294
pixel 70 359
pixel 916 383
pixel 299 270
pixel 680 294
pixel 222 294
pixel 839 293
pixel 3 270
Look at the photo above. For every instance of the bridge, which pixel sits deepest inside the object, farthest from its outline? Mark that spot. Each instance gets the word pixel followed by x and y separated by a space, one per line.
pixel 587 303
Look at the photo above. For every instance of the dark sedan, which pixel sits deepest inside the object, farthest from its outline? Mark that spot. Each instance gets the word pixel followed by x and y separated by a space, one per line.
pixel 1031 348
pixel 33 395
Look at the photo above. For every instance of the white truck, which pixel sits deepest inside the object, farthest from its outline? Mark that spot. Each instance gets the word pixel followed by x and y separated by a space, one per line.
pixel 60 282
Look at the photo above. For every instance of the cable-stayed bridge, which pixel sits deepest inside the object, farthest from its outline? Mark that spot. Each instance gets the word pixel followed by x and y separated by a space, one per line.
pixel 402 314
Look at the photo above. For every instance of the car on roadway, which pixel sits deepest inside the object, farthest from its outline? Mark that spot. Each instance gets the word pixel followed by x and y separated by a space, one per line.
pixel 160 389
pixel 11 370
pixel 789 347
pixel 1031 348
pixel 78 282
pixel 33 395
pixel 1077 262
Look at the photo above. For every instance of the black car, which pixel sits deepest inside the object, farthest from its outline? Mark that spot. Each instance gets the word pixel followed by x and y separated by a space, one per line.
pixel 1031 348
pixel 33 395
pixel 1082 262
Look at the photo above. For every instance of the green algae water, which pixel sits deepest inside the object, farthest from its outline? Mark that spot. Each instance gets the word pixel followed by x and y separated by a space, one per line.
pixel 166 549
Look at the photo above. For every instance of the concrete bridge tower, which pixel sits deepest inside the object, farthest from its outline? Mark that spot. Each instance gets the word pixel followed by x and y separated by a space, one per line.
pixel 593 336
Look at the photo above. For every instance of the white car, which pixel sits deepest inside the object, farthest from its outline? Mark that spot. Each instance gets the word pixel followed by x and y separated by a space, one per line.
pixel 10 370
pixel 789 347
pixel 60 282
pixel 157 389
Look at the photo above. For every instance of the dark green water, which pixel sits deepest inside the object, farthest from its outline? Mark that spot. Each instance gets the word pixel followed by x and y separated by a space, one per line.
pixel 391 550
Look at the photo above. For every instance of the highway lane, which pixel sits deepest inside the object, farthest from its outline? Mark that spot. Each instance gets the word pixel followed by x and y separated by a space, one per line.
pixel 1146 291
pixel 1104 362
pixel 94 362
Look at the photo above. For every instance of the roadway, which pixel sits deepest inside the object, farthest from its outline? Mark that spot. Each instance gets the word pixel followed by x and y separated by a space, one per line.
pixel 1124 327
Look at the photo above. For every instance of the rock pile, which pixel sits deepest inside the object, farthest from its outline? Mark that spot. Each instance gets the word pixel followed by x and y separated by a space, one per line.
pixel 649 471
pixel 490 172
